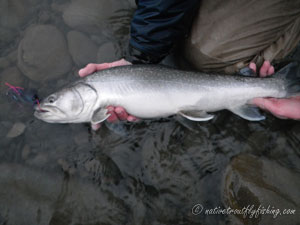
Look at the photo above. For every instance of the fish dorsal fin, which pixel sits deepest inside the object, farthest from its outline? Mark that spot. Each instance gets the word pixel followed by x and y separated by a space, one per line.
pixel 248 112
pixel 99 115
pixel 196 115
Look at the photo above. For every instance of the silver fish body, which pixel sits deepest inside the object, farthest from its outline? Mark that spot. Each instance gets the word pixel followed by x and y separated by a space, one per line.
pixel 147 91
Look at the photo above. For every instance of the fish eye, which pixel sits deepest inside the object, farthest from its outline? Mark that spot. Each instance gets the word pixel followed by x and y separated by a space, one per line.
pixel 51 99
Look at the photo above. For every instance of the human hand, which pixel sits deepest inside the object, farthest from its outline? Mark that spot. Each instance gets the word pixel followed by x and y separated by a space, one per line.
pixel 281 108
pixel 284 108
pixel 266 69
pixel 93 67
pixel 118 112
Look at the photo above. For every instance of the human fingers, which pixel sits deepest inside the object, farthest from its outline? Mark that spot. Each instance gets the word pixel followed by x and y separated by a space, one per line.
pixel 121 62
pixel 91 68
pixel 96 126
pixel 113 116
pixel 131 118
pixel 271 70
pixel 263 72
pixel 252 66
pixel 282 108
pixel 121 113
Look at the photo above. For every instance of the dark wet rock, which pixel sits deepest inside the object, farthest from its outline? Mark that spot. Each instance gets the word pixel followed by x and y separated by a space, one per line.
pixel 38 160
pixel 8 60
pixel 4 62
pixel 13 14
pixel 82 49
pixel 91 16
pixel 44 17
pixel 26 152
pixel 103 169
pixel 119 128
pixel 13 56
pixel 12 76
pixel 132 4
pixel 5 127
pixel 108 52
pixel 251 181
pixel 42 54
pixel 28 196
pixel 6 36
pixel 81 138
pixel 66 166
pixel 59 6
pixel 16 130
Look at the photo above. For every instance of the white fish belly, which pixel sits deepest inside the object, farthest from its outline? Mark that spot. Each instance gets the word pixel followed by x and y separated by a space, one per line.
pixel 151 101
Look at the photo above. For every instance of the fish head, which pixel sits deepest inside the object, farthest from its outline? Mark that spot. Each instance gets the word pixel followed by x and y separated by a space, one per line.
pixel 69 105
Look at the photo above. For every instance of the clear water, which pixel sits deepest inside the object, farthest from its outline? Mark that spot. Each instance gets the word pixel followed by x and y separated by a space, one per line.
pixel 151 172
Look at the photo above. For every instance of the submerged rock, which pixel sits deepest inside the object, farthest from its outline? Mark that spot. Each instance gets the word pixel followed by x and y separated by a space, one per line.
pixel 4 62
pixel 108 52
pixel 12 76
pixel 16 130
pixel 13 14
pixel 29 196
pixel 256 184
pixel 82 49
pixel 92 15
pixel 42 54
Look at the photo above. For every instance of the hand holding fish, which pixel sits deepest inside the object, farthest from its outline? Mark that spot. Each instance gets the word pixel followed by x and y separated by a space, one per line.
pixel 118 112
pixel 282 108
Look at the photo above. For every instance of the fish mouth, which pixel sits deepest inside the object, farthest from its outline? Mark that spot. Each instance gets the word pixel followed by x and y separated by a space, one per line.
pixel 38 109
pixel 46 111
pixel 42 111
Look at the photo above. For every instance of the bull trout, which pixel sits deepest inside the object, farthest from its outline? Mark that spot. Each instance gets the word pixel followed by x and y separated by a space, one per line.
pixel 151 91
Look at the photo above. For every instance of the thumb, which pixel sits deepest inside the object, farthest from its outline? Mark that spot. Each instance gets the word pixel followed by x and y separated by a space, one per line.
pixel 260 102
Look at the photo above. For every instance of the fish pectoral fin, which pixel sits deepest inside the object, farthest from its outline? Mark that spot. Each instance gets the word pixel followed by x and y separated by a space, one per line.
pixel 99 115
pixel 196 115
pixel 248 112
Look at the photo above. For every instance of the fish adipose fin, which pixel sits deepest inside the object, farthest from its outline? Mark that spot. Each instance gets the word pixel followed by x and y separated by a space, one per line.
pixel 196 115
pixel 248 112
pixel 291 75
pixel 99 115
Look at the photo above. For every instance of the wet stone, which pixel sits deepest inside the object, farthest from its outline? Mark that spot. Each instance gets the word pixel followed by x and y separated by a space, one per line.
pixel 82 49
pixel 5 127
pixel 13 14
pixel 59 6
pixel 13 56
pixel 53 199
pixel 91 16
pixel 44 17
pixel 4 62
pixel 132 4
pixel 16 130
pixel 66 166
pixel 108 52
pixel 6 35
pixel 258 183
pixel 26 152
pixel 12 76
pixel 39 160
pixel 42 54
pixel 81 138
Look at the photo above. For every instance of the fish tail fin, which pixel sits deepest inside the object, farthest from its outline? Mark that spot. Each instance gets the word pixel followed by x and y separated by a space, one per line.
pixel 291 76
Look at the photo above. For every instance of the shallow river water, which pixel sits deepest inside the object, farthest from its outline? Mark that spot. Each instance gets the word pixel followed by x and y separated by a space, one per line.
pixel 164 171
